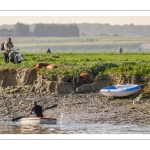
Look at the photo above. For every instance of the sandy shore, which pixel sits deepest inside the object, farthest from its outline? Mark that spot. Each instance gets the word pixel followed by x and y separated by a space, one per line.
pixel 79 108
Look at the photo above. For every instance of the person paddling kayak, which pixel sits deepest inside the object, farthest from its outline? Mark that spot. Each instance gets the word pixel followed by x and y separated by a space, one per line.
pixel 37 109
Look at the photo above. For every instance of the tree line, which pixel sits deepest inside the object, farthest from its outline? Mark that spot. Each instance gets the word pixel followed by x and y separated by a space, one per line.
pixel 51 30
pixel 113 30
pixel 74 30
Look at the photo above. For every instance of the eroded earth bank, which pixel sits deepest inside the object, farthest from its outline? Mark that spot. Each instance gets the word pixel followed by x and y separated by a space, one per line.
pixel 82 104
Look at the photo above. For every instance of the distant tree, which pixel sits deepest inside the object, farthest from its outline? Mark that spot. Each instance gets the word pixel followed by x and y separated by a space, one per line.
pixel 58 30
pixel 21 29
pixel 40 30
pixel 83 34
pixel 6 32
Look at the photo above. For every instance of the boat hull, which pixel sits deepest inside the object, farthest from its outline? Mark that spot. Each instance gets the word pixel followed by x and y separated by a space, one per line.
pixel 120 90
pixel 38 120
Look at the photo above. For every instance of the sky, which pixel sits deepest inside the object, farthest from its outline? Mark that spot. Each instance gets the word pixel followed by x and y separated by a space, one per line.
pixel 113 20
pixel 85 11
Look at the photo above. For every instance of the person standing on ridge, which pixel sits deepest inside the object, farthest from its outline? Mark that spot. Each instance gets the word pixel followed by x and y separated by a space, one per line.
pixel 120 49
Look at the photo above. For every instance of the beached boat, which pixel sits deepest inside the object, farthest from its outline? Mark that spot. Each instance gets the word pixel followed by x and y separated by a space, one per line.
pixel 38 120
pixel 120 90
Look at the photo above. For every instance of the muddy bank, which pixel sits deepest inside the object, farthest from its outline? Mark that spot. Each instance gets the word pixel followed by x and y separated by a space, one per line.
pixel 94 108
pixel 79 108
pixel 26 80
pixel 81 104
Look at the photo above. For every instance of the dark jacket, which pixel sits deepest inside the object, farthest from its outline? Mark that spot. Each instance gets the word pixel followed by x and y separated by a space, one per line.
pixel 37 111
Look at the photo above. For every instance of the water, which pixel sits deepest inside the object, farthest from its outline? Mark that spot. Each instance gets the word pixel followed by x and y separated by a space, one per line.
pixel 72 128
pixel 63 127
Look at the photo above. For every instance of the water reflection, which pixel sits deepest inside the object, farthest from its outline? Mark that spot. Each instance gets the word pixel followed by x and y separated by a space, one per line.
pixel 33 130
pixel 74 128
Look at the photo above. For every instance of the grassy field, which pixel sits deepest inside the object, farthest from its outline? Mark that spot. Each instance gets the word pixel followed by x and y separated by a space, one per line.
pixel 74 63
pixel 81 44
pixel 74 55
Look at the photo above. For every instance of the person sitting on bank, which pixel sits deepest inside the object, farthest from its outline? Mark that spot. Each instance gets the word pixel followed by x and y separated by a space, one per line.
pixel 7 49
pixel 37 109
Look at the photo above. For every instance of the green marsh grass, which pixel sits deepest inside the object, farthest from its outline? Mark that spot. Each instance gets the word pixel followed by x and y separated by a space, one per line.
pixel 73 63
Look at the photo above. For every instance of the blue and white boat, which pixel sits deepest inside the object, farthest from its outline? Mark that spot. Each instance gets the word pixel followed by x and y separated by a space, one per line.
pixel 120 90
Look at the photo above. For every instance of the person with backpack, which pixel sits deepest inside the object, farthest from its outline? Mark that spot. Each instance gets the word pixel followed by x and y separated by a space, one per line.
pixel 7 49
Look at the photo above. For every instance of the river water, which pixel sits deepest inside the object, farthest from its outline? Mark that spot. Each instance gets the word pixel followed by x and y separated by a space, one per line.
pixel 8 127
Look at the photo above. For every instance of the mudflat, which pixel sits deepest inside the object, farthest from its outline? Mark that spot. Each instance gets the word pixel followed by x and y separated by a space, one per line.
pixel 79 108
pixel 95 108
